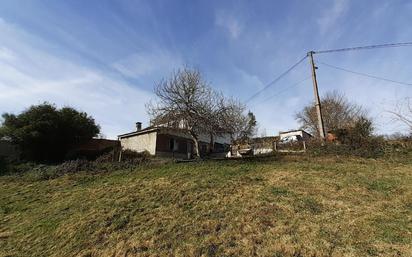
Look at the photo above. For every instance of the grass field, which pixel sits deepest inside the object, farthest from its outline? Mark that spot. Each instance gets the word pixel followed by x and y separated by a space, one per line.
pixel 295 206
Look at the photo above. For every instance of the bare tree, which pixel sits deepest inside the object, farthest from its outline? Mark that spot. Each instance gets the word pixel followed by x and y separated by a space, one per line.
pixel 186 100
pixel 183 98
pixel 337 111
pixel 233 121
pixel 403 112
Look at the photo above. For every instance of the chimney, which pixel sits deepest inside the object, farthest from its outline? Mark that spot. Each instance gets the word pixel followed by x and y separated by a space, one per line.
pixel 138 126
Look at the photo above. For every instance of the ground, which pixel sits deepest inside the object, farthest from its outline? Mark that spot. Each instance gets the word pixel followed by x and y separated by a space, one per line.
pixel 295 206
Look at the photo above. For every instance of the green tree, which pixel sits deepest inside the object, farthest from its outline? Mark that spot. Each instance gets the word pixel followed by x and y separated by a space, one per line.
pixel 45 133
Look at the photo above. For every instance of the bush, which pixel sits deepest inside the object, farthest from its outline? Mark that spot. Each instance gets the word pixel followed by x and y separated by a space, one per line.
pixel 21 167
pixel 371 147
pixel 75 166
pixel 107 157
pixel 3 165
pixel 134 157
pixel 357 140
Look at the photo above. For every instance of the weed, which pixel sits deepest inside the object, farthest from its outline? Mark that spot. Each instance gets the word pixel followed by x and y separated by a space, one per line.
pixel 382 185
pixel 393 229
pixel 280 191
pixel 308 204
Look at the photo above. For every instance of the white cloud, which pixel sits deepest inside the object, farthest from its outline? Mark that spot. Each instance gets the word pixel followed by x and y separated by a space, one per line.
pixel 31 75
pixel 229 23
pixel 6 54
pixel 146 63
pixel 330 16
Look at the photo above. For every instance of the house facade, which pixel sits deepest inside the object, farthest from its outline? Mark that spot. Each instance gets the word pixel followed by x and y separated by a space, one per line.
pixel 164 141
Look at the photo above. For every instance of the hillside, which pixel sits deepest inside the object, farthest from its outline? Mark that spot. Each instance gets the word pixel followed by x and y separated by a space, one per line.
pixel 298 206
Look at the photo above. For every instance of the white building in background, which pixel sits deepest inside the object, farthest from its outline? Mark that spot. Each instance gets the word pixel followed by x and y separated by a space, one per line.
pixel 294 135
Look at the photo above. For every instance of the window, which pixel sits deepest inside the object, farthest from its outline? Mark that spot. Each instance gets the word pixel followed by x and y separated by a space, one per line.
pixel 204 148
pixel 173 144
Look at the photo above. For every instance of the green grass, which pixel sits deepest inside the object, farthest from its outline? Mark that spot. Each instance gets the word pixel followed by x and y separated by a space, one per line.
pixel 296 206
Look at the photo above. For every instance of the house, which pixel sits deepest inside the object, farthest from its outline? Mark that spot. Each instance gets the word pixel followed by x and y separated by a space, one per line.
pixel 294 135
pixel 164 141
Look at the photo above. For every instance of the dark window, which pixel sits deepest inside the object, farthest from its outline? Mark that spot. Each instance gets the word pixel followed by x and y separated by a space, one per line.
pixel 172 144
pixel 204 148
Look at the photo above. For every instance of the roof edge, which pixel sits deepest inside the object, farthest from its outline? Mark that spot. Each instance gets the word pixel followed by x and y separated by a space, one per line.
pixel 134 133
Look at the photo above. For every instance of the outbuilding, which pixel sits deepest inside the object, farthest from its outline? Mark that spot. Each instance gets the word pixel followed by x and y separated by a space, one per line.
pixel 294 135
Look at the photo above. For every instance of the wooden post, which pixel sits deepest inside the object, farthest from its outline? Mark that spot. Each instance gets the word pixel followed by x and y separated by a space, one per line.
pixel 317 98
pixel 120 154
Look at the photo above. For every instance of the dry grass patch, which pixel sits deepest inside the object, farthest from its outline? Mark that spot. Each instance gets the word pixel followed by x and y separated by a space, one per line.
pixel 294 207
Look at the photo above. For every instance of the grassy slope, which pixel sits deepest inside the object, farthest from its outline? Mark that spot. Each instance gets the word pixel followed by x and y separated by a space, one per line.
pixel 318 207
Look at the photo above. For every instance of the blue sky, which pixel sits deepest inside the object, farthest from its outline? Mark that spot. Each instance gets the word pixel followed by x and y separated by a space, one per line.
pixel 104 57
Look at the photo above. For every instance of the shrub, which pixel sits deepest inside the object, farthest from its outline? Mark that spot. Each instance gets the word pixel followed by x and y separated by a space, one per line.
pixel 75 166
pixel 371 147
pixel 135 157
pixel 3 165
pixel 357 140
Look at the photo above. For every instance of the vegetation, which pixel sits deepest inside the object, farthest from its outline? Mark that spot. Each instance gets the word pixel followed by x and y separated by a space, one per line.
pixel 403 112
pixel 249 128
pixel 277 206
pixel 337 112
pixel 45 133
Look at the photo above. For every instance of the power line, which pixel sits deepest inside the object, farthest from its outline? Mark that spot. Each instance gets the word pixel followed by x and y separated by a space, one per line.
pixel 332 51
pixel 286 89
pixel 277 79
pixel 363 48
pixel 366 75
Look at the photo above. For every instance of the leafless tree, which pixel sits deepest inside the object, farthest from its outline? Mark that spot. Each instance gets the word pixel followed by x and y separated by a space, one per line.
pixel 403 112
pixel 337 112
pixel 186 99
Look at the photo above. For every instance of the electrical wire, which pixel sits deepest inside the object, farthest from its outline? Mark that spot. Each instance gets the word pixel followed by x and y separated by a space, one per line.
pixel 363 47
pixel 286 89
pixel 333 51
pixel 276 79
pixel 366 75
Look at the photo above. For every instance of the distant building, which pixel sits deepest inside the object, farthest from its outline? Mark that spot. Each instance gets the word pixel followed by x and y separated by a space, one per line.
pixel 288 141
pixel 294 135
pixel 254 146
pixel 165 141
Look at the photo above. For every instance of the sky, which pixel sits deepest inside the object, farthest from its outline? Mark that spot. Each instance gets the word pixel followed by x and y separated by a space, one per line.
pixel 105 57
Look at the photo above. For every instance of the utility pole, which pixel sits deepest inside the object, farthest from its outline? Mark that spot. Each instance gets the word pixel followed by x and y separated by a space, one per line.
pixel 317 99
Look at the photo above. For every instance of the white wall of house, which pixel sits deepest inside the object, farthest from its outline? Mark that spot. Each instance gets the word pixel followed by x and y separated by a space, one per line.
pixel 283 135
pixel 140 143
pixel 293 135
